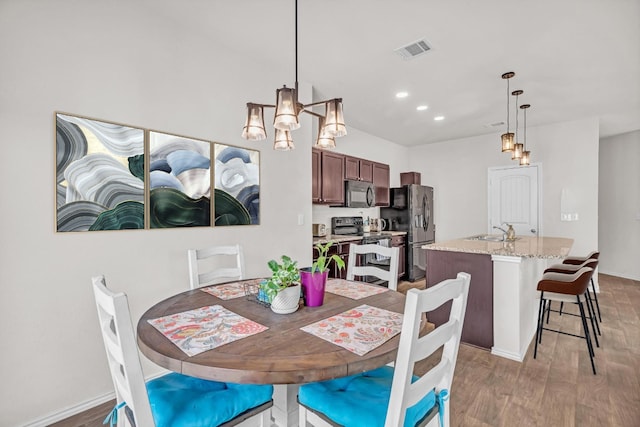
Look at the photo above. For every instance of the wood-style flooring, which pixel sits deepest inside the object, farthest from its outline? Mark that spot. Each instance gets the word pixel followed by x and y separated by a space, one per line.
pixel 556 389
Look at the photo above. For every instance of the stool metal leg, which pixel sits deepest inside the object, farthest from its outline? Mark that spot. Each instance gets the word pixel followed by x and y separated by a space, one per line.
pixel 593 311
pixel 541 309
pixel 594 321
pixel 586 334
pixel 595 295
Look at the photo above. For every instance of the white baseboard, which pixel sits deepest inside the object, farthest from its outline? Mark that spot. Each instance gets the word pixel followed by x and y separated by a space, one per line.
pixel 624 276
pixel 70 411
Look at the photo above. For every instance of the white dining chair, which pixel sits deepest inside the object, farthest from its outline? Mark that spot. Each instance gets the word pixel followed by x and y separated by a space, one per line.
pixel 206 257
pixel 393 397
pixel 377 252
pixel 172 400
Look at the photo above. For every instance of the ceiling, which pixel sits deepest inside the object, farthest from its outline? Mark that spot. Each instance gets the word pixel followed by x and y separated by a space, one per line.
pixel 573 58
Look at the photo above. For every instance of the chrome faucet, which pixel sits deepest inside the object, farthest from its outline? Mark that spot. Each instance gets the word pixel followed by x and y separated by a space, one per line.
pixel 504 232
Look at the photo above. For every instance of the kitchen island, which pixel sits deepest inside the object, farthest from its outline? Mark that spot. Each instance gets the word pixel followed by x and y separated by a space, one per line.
pixel 503 300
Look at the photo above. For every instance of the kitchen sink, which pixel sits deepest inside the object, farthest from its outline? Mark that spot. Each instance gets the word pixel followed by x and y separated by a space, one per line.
pixel 488 238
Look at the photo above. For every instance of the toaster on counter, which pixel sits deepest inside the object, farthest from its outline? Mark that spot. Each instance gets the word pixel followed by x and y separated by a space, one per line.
pixel 319 230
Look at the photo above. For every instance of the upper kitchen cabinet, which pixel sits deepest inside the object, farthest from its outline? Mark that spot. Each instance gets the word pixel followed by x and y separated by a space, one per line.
pixel 381 182
pixel 328 177
pixel 358 169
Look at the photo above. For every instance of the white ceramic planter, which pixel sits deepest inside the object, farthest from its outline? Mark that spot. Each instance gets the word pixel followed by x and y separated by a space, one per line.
pixel 287 300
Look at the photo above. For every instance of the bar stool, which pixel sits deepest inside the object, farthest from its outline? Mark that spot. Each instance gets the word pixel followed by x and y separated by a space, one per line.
pixel 570 269
pixel 565 288
pixel 580 260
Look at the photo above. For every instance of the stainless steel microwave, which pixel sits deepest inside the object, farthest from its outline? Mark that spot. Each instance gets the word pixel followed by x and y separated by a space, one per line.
pixel 359 194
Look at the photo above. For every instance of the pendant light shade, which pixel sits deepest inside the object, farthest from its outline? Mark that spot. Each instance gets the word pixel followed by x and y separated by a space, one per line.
pixel 253 129
pixel 334 118
pixel 526 154
pixel 286 117
pixel 508 137
pixel 507 141
pixel 517 147
pixel 517 151
pixel 325 140
pixel 283 141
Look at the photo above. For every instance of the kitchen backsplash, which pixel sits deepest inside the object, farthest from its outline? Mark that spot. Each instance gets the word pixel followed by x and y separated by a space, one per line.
pixel 322 214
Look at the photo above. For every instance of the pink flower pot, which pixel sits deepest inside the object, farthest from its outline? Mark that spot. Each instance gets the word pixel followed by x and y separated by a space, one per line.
pixel 313 286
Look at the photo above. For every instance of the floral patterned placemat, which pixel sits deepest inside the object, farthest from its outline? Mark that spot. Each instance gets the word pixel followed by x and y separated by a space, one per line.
pixel 360 329
pixel 231 290
pixel 205 328
pixel 353 290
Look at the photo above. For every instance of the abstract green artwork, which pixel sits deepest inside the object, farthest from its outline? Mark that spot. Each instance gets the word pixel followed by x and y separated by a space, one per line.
pixel 99 175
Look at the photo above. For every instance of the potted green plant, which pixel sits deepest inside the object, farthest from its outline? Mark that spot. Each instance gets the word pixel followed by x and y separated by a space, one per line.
pixel 283 287
pixel 314 278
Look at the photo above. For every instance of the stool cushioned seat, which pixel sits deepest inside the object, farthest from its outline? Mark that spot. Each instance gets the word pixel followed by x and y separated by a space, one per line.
pixel 360 400
pixel 179 401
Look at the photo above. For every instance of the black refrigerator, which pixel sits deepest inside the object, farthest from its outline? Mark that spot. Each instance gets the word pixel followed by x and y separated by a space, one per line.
pixel 411 210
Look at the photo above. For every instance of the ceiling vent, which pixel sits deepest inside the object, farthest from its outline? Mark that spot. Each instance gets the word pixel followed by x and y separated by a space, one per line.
pixel 414 49
pixel 495 125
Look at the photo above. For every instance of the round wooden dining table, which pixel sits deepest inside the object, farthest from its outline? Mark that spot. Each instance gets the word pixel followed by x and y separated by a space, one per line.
pixel 282 355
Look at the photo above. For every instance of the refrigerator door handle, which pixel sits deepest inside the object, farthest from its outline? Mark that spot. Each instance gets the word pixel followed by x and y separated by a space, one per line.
pixel 427 209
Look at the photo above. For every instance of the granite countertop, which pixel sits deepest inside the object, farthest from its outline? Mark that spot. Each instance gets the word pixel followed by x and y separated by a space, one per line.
pixel 527 247
pixel 341 238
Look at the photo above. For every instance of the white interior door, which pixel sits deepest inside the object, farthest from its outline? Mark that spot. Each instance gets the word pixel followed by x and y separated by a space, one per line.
pixel 514 199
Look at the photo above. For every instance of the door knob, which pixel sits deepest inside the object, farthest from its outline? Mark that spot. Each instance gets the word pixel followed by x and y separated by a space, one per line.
pixel 533 230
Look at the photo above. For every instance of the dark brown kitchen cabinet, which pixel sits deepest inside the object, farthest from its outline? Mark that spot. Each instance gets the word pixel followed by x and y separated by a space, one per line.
pixel 358 169
pixel 328 177
pixel 381 182
pixel 398 241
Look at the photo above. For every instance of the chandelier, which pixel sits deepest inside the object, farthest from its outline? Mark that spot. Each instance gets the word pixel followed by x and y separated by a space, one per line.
pixel 287 112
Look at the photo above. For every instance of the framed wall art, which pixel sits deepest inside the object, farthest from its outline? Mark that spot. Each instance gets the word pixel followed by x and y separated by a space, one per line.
pixel 237 185
pixel 111 176
pixel 99 175
pixel 179 181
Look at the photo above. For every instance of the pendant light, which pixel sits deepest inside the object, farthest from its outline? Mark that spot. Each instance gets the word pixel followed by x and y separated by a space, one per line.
pixel 283 140
pixel 287 112
pixel 526 154
pixel 517 147
pixel 254 127
pixel 507 138
pixel 325 139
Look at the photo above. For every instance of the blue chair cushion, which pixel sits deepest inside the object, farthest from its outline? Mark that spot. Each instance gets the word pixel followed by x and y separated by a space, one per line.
pixel 360 400
pixel 179 401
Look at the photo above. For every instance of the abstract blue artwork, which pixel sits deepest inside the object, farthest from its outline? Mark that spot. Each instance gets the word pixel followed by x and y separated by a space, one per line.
pixel 237 185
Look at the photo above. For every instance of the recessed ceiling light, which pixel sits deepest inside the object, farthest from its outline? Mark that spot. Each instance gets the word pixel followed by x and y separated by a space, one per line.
pixel 438 118
pixel 421 107
pixel 402 94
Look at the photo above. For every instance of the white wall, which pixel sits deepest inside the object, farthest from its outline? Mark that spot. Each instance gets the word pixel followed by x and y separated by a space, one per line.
pixel 568 154
pixel 364 145
pixel 113 61
pixel 619 205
